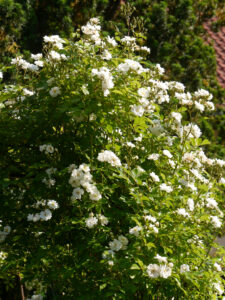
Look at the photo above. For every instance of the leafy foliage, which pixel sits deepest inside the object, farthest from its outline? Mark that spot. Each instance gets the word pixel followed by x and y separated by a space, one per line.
pixel 106 191
pixel 12 19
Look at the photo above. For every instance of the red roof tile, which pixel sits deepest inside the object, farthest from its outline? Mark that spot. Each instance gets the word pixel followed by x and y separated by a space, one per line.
pixel 218 40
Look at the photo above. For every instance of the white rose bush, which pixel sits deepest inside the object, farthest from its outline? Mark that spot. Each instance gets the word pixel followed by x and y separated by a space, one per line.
pixel 106 192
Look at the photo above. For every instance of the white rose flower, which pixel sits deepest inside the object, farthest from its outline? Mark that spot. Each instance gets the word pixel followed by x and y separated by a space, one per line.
pixel 144 92
pixel 165 271
pixel 135 230
pixel 111 41
pixel 77 194
pixel 103 220
pixel 161 259
pixel 153 270
pixel 222 180
pixel 215 221
pixel 7 229
pixel 154 177
pixel 54 55
pixel 166 188
pixel 218 288
pixel 182 212
pixel 123 240
pixel 191 204
pixel 211 203
pixel 167 153
pixel 45 215
pixel 137 110
pixel 55 91
pixel 91 222
pixel 218 267
pixel 52 204
pixel 115 245
pixel 184 268
pixel 153 156
pixel 110 157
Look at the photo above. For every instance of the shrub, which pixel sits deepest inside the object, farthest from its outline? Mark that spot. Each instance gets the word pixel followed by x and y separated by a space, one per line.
pixel 106 190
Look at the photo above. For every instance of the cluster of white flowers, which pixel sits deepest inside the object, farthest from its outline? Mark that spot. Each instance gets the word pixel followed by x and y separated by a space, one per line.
pixel 218 287
pixel 159 90
pixel 92 221
pixel 184 268
pixel 216 222
pixel 135 230
pixel 211 203
pixel 192 131
pixel 82 177
pixel 154 177
pixel 144 48
pixel 195 240
pixel 198 175
pixel 199 158
pixel 176 116
pixel 183 212
pixel 54 40
pixel 130 144
pixel 119 244
pixel 131 65
pixel 161 259
pixel 37 59
pixel 156 128
pixel 3 255
pixel 110 157
pixel 145 104
pixel 166 188
pixel 164 270
pixel 160 70
pixel 201 93
pixel 106 77
pixel 106 55
pixel 37 56
pixel 55 91
pixel 200 100
pixel 55 56
pixel 137 110
pixel 153 156
pixel 218 267
pixel 152 223
pixel 222 180
pixel 111 41
pixel 128 40
pixel 47 148
pixel 190 204
pixel 45 214
pixel 189 184
pixel 49 181
pixel 3 233
pixel 20 62
pixel 167 153
pixel 92 29
pixel 176 86
pixel 27 92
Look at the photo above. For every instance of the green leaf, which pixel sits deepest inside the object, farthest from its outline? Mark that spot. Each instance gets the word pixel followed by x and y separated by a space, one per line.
pixel 135 267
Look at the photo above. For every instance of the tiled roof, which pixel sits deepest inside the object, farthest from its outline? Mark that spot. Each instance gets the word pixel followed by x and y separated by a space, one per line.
pixel 218 39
